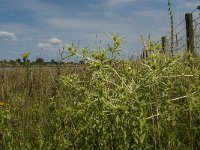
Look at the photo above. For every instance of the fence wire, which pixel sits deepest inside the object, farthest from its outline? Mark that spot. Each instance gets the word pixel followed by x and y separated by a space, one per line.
pixel 180 37
pixel 196 22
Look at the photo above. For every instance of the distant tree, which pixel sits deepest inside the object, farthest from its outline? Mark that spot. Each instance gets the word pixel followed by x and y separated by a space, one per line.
pixel 81 62
pixel 53 61
pixel 12 62
pixel 18 61
pixel 39 60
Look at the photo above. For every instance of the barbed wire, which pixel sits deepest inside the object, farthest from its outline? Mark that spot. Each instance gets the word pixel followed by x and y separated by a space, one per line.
pixel 179 24
pixel 197 18
pixel 180 36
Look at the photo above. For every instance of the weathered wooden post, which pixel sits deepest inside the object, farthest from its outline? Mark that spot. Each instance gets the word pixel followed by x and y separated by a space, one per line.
pixel 143 55
pixel 164 44
pixel 190 33
pixel 146 52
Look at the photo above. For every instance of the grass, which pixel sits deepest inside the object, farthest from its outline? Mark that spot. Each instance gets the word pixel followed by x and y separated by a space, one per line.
pixel 28 94
pixel 109 103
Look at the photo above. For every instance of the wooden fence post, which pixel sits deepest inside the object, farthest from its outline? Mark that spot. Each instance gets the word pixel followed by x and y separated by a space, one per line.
pixel 147 54
pixel 143 55
pixel 190 33
pixel 164 44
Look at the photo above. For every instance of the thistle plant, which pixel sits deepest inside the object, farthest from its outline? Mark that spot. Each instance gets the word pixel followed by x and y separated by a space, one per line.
pixel 151 103
pixel 172 26
pixel 118 105
pixel 150 47
pixel 25 56
pixel 100 104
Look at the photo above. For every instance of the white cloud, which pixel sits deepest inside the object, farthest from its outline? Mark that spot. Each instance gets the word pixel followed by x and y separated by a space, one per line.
pixel 153 14
pixel 115 24
pixel 50 43
pixel 44 45
pixel 74 23
pixel 55 41
pixel 7 36
pixel 118 2
pixel 64 45
pixel 94 6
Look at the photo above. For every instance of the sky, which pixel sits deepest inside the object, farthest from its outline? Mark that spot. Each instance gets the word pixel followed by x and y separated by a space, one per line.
pixel 42 27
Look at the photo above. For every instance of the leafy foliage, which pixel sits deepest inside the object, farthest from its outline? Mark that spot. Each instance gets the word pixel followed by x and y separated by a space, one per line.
pixel 121 105
pixel 114 104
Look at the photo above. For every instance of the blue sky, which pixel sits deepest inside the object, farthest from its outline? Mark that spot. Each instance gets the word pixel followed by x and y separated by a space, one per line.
pixel 29 25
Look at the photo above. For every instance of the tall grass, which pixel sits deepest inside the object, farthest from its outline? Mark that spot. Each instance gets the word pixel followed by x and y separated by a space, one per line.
pixel 109 104
pixel 27 93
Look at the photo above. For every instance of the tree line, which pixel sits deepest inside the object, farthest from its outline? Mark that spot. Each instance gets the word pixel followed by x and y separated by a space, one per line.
pixel 37 61
pixel 25 61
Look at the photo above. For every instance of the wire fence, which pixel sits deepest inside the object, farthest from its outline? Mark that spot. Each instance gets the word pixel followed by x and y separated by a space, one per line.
pixel 180 34
pixel 183 36
pixel 196 22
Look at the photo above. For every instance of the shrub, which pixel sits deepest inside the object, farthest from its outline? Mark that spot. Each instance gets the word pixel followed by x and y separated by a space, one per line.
pixel 150 104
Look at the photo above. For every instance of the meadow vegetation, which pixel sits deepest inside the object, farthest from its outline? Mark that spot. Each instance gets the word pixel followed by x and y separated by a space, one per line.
pixel 108 103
